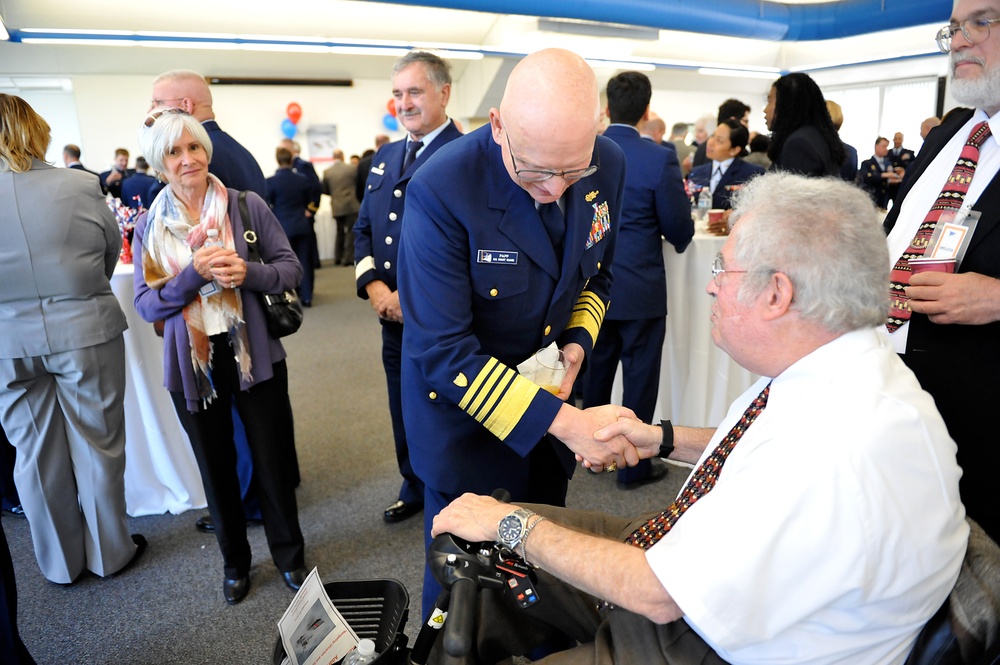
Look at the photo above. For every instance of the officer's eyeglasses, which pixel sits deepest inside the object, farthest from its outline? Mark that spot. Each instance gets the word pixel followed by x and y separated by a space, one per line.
pixel 537 175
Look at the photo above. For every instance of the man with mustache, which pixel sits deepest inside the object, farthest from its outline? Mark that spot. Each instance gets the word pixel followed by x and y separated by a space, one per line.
pixel 949 324
pixel 421 87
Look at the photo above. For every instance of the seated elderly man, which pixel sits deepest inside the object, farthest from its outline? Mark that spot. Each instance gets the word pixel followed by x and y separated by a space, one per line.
pixel 822 522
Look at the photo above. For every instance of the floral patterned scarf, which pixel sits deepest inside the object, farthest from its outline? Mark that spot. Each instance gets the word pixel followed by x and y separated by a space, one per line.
pixel 167 219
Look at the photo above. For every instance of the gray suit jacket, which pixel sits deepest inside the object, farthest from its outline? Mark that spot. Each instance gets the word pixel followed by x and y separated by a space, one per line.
pixel 338 184
pixel 59 249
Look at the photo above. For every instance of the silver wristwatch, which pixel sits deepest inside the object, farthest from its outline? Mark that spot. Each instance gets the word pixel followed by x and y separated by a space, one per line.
pixel 511 528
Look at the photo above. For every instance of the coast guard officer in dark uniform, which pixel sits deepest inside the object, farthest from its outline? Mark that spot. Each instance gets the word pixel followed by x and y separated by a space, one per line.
pixel 507 246
pixel 421 86
pixel 655 207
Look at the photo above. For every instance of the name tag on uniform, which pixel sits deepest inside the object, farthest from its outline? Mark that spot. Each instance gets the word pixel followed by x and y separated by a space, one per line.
pixel 497 256
pixel 377 171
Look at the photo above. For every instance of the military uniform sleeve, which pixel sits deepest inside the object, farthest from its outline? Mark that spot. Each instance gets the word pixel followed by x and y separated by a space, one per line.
pixel 437 301
pixel 592 305
pixel 364 272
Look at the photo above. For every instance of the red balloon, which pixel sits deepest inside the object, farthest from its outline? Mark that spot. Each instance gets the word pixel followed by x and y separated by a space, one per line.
pixel 294 112
pixel 391 106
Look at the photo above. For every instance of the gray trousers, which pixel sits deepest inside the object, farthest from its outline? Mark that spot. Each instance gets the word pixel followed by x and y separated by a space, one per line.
pixel 615 637
pixel 64 413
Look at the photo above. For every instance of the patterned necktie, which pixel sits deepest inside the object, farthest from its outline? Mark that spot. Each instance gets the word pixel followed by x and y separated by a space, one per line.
pixel 554 223
pixel 702 482
pixel 411 153
pixel 951 197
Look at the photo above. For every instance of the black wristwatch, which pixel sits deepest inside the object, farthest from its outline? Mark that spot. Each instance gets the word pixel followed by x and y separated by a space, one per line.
pixel 511 528
pixel 667 446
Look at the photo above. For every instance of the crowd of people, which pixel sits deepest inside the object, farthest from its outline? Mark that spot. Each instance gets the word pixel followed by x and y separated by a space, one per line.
pixel 853 462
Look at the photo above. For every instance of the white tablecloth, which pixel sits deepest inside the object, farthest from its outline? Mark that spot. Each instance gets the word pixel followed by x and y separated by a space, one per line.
pixel 161 474
pixel 698 381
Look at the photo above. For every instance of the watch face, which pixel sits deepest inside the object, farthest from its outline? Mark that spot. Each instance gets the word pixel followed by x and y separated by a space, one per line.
pixel 510 530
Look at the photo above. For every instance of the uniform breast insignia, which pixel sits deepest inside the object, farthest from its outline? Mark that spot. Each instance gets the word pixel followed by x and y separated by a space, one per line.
pixel 600 225
pixel 591 196
pixel 501 257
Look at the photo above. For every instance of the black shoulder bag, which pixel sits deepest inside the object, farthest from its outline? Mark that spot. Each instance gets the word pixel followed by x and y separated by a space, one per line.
pixel 283 311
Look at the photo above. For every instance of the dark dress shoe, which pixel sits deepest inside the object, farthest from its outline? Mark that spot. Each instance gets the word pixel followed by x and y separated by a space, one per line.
pixel 205 524
pixel 401 510
pixel 307 303
pixel 140 547
pixel 295 578
pixel 235 590
pixel 657 470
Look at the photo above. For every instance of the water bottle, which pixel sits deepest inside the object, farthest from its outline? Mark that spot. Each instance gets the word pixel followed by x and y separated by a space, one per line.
pixel 212 241
pixel 364 654
pixel 704 204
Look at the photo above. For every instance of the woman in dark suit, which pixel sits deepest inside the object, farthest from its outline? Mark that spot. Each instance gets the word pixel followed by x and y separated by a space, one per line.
pixel 726 148
pixel 217 346
pixel 803 139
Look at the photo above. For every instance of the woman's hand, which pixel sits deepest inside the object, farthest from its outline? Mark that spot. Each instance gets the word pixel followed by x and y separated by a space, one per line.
pixel 204 260
pixel 228 269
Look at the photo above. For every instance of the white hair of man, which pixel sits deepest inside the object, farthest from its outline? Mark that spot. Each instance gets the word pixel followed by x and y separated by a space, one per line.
pixel 824 234
pixel 156 140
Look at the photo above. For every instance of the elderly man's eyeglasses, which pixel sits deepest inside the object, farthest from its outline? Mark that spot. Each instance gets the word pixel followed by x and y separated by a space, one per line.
pixel 154 115
pixel 718 270
pixel 975 31
pixel 536 175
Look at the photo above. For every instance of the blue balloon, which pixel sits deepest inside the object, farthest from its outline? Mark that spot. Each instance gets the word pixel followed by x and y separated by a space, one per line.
pixel 288 128
pixel 390 122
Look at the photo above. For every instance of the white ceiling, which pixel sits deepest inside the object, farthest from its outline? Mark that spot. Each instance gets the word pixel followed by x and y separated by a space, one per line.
pixel 344 20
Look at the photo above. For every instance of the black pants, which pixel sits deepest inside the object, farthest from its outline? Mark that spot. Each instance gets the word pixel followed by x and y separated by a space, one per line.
pixel 263 409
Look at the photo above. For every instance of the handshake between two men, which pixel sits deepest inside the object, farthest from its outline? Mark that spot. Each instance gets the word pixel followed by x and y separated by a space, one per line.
pixel 609 437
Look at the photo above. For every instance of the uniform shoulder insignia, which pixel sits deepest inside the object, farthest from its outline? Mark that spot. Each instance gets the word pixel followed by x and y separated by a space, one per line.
pixel 461 380
pixel 591 196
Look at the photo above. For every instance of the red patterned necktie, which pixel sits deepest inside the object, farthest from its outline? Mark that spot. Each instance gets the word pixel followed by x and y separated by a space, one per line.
pixel 702 482
pixel 951 197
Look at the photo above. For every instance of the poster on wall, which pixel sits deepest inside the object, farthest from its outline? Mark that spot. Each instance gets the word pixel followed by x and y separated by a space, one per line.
pixel 321 141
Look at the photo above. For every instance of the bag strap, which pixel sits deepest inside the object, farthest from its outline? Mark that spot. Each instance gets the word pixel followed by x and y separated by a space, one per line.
pixel 248 232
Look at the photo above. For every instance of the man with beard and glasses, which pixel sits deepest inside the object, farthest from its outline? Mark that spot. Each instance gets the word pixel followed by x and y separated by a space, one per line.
pixel 946 326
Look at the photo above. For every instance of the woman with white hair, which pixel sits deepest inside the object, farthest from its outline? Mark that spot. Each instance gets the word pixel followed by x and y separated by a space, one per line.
pixel 217 345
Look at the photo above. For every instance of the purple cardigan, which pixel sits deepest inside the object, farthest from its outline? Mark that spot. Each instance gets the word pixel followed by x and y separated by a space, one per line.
pixel 281 273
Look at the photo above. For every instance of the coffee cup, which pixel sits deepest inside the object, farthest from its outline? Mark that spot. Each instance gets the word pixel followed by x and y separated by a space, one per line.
pixel 920 265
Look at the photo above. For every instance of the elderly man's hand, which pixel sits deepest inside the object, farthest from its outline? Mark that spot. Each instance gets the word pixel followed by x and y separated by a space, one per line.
pixel 966 298
pixel 576 429
pixel 472 517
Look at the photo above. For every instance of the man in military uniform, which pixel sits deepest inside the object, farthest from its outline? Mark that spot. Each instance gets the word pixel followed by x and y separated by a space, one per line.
pixel 507 249
pixel 421 87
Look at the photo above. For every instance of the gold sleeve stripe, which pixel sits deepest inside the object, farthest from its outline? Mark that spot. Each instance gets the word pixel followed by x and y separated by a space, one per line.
pixel 477 383
pixel 588 313
pixel 512 406
pixel 498 397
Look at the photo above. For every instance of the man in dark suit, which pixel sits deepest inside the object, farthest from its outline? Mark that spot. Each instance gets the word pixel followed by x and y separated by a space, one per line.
pixel 136 188
pixel 365 166
pixel 111 180
pixel 655 207
pixel 236 168
pixel 506 249
pixel 877 175
pixel 71 158
pixel 950 341
pixel 900 158
pixel 290 196
pixel 421 86
pixel 305 168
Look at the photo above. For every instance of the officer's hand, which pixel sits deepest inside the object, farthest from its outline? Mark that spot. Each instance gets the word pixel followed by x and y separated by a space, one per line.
pixel 576 429
pixel 573 356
